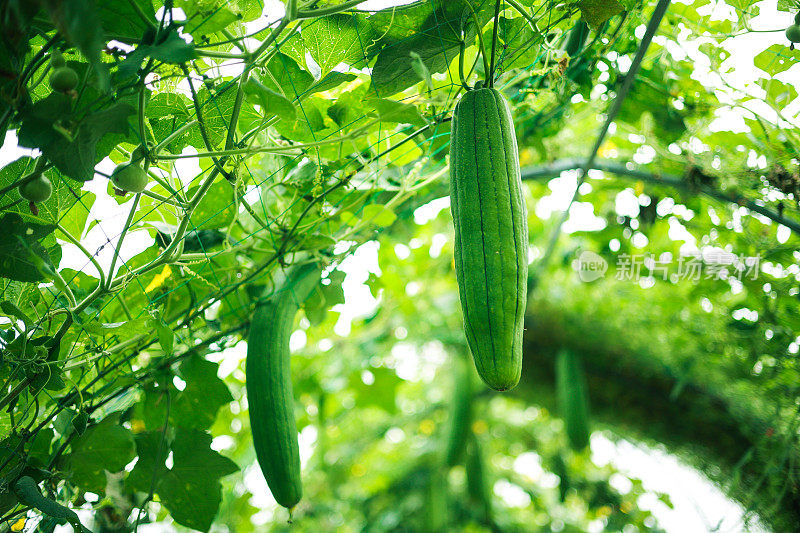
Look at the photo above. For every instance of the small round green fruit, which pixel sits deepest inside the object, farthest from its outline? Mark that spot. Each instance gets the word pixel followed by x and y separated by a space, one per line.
pixel 57 60
pixel 793 33
pixel 37 190
pixel 63 79
pixel 129 177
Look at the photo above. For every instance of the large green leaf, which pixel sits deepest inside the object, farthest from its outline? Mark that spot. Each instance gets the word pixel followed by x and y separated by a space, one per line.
pixel 197 404
pixel 191 488
pixel 47 125
pixel 106 446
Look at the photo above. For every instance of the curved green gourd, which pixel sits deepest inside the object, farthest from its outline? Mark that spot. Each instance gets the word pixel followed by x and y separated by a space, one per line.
pixel 27 491
pixel 572 398
pixel 460 412
pixel 491 234
pixel 269 385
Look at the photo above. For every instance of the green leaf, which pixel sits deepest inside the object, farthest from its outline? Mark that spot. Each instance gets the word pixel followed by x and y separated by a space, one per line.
pixel 419 68
pixel 151 411
pixel 152 447
pixel 10 309
pixel 217 105
pixel 286 77
pixel 330 81
pixel 596 12
pixel 216 209
pixel 776 59
pixel 436 43
pixel 24 295
pixel 778 92
pixel 197 405
pixel 123 330
pixel 121 21
pixel 333 292
pixel 391 111
pixel 172 49
pixel 166 337
pixel 522 42
pixel 206 18
pixel 380 392
pixel 73 151
pixel 651 95
pixel 394 70
pixel 379 215
pixel 106 446
pixel 324 297
pixel 309 125
pixel 78 21
pixel 334 39
pixel 317 242
pixel 22 256
pixel 191 489
pixel 169 105
pixel 270 101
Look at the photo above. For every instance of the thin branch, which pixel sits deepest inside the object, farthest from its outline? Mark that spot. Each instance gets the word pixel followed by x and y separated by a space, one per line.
pixel 616 106
pixel 677 182
pixel 494 41
pixel 306 14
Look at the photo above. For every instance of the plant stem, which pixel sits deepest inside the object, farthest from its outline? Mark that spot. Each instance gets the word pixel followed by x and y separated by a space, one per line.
pixel 16 391
pixel 519 8
pixel 275 149
pixel 221 55
pixel 171 137
pixel 142 118
pixel 478 31
pixel 494 41
pixel 266 44
pixel 200 121
pixel 313 13
pixel 80 246
pixel 122 238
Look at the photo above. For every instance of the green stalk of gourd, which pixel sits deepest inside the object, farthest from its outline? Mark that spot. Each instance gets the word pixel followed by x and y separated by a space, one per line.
pixel 437 512
pixel 491 234
pixel 479 492
pixel 269 384
pixel 460 418
pixel 573 400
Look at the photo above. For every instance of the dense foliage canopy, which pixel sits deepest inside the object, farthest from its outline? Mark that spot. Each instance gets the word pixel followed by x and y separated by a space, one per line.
pixel 195 149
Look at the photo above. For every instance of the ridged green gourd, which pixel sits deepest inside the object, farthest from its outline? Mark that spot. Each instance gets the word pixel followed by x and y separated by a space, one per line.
pixel 269 384
pixel 491 234
pixel 573 399
pixel 460 419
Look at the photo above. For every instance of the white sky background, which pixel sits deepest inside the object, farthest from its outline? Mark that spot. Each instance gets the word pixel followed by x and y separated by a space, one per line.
pixel 699 505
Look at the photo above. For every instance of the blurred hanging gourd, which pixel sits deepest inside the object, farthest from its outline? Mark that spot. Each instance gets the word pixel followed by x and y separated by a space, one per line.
pixel 269 384
pixel 573 400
